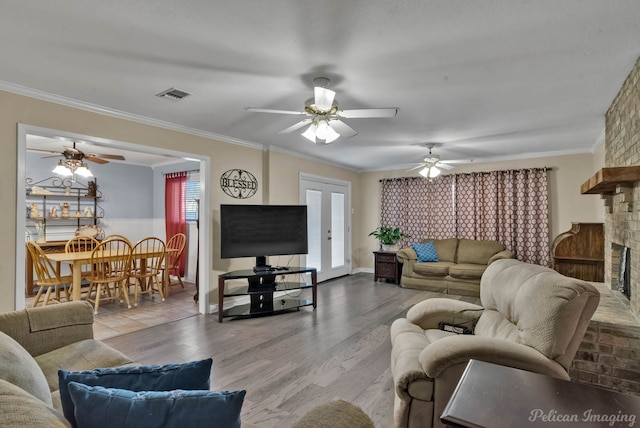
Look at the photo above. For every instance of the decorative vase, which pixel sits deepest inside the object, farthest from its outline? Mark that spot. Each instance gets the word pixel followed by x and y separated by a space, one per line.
pixel 390 247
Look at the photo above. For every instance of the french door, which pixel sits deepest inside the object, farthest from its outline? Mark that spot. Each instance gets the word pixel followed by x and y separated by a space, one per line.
pixel 329 225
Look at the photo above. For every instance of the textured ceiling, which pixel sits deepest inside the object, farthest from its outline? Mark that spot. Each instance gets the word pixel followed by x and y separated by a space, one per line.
pixel 488 79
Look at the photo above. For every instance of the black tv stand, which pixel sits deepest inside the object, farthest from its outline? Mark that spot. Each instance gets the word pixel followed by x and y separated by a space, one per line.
pixel 260 288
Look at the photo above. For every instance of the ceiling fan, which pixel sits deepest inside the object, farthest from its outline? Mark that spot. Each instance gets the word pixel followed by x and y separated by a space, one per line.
pixel 324 116
pixel 73 154
pixel 73 162
pixel 431 164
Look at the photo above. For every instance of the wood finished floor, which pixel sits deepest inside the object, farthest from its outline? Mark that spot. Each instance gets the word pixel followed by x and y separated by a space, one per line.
pixel 292 362
pixel 115 318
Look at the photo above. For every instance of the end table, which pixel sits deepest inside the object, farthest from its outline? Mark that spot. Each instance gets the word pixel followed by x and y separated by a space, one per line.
pixel 386 266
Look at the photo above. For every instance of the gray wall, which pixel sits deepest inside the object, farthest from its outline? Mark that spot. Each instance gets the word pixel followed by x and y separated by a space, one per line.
pixel 127 190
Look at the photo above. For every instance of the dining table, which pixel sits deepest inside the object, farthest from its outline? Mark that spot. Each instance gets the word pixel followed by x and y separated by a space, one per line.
pixel 80 258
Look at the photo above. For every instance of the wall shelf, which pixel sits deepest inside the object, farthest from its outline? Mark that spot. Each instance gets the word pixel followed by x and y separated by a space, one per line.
pixel 606 180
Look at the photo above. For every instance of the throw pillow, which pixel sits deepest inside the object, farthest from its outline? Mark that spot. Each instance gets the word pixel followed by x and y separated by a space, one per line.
pixel 426 252
pixel 98 407
pixel 192 375
pixel 23 410
pixel 18 367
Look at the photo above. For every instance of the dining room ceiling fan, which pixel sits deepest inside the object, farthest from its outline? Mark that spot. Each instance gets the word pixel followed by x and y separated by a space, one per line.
pixel 431 164
pixel 74 154
pixel 324 117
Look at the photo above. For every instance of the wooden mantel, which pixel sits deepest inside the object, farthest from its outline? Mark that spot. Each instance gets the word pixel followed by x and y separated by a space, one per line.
pixel 606 180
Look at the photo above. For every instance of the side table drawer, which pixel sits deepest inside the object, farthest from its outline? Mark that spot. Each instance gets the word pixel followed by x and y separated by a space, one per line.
pixel 387 270
pixel 390 258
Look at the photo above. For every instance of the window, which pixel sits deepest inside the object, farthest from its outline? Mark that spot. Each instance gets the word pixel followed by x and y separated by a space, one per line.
pixel 193 195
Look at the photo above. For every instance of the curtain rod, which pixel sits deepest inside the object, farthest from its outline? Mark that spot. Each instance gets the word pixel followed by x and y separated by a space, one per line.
pixel 176 172
pixel 542 168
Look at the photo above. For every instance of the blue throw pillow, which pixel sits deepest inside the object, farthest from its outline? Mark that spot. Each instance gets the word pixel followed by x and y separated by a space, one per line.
pixel 192 375
pixel 426 252
pixel 98 407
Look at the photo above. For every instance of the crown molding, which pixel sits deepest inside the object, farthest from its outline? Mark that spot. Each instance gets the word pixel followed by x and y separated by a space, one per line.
pixel 94 108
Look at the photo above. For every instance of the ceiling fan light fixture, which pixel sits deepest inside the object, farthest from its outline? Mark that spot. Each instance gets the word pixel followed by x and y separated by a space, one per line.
pixel 325 132
pixel 430 172
pixel 62 169
pixel 83 170
pixel 310 133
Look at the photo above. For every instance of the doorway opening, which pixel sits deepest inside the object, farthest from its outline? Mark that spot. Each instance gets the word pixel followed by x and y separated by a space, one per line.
pixel 202 162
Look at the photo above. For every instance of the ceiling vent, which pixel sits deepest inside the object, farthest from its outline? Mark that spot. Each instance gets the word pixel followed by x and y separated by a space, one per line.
pixel 173 94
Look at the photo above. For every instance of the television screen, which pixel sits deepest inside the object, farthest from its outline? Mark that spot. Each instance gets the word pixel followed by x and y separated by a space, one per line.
pixel 263 230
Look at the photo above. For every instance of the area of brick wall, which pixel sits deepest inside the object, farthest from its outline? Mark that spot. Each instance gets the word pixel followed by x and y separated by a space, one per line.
pixel 609 357
pixel 622 148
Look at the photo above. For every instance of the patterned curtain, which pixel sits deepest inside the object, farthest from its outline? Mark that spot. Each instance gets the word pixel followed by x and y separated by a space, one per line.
pixel 506 206
pixel 421 208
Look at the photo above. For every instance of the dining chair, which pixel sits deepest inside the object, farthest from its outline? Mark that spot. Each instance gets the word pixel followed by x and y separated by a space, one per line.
pixel 110 261
pixel 171 264
pixel 48 276
pixel 147 257
pixel 117 236
pixel 77 244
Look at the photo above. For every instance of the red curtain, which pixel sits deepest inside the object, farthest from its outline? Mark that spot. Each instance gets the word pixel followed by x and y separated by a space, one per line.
pixel 175 201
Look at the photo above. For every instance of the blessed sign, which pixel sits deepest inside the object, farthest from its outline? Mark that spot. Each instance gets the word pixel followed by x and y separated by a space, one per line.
pixel 238 183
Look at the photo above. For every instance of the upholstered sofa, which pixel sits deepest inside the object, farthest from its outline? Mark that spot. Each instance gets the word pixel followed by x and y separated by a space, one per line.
pixel 460 265
pixel 34 344
pixel 531 318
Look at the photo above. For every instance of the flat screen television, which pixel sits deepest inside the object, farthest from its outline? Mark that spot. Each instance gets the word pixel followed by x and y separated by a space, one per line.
pixel 262 230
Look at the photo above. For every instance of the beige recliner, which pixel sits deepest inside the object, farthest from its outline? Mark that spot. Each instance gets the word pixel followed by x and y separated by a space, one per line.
pixel 531 318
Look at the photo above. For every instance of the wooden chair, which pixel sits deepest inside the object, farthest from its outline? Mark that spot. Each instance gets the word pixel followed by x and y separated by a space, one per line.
pixel 172 260
pixel 111 261
pixel 48 276
pixel 116 236
pixel 81 243
pixel 147 257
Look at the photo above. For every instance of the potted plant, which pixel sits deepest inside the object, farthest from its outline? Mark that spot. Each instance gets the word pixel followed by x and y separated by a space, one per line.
pixel 389 237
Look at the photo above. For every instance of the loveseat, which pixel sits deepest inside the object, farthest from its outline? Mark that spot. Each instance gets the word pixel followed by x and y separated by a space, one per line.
pixel 460 265
pixel 34 344
pixel 531 318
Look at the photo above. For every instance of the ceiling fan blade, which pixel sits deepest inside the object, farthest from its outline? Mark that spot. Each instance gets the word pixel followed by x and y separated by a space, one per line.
pixel 422 165
pixel 114 157
pixel 444 166
pixel 295 127
pixel 95 159
pixel 43 150
pixel 342 128
pixel 323 98
pixel 266 110
pixel 369 112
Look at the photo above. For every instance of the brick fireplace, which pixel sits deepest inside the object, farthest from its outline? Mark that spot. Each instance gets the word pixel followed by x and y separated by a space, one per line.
pixel 610 352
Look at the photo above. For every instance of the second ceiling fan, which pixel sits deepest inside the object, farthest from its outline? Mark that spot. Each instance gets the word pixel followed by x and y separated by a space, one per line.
pixel 323 116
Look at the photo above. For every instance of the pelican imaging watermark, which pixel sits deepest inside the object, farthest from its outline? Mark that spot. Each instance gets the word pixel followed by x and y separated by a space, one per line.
pixel 618 419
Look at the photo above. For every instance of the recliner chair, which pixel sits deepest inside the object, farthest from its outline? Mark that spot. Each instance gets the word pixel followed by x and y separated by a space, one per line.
pixel 531 318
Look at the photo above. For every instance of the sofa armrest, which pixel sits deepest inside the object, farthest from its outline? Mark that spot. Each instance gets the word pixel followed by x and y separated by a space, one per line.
pixel 445 352
pixel 46 328
pixel 429 313
pixel 505 254
pixel 406 254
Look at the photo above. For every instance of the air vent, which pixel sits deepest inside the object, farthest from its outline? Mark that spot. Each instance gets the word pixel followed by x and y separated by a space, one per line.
pixel 173 94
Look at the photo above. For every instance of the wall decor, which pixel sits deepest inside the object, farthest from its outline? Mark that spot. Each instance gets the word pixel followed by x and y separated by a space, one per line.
pixel 238 183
